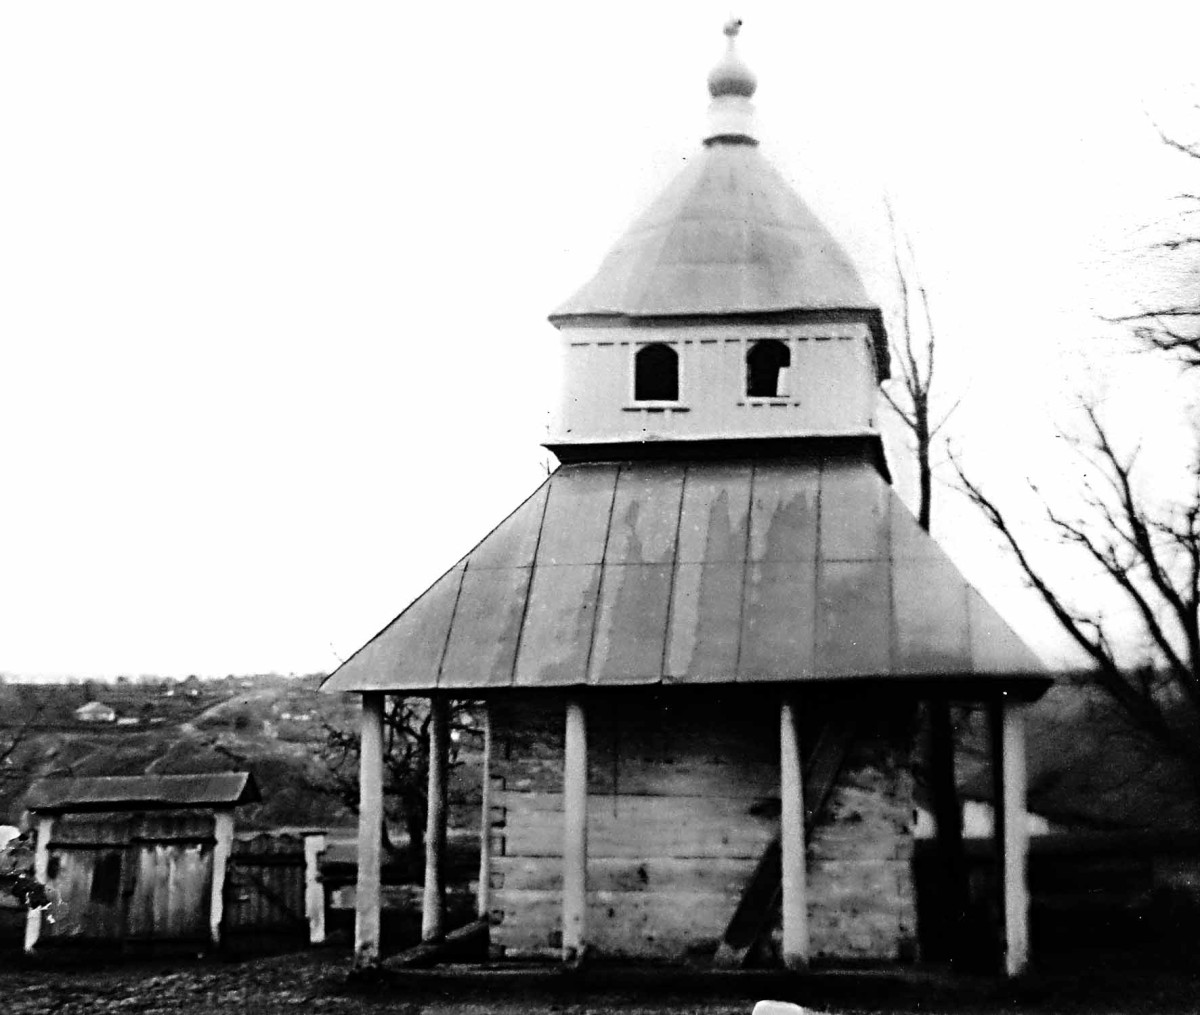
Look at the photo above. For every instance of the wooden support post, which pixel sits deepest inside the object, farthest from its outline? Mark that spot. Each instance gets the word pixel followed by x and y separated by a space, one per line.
pixel 947 814
pixel 574 892
pixel 314 890
pixel 1008 725
pixel 370 832
pixel 483 896
pixel 791 838
pixel 41 870
pixel 222 849
pixel 433 906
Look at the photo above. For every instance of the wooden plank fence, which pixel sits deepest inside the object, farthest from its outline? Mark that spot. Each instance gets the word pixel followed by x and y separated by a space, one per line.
pixel 157 878
pixel 265 888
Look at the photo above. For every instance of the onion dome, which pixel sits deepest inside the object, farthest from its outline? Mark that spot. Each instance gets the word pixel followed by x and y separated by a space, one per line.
pixel 731 76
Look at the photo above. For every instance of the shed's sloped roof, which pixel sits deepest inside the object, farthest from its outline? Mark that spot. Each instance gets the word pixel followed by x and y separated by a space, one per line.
pixel 143 792
pixel 727 236
pixel 696 572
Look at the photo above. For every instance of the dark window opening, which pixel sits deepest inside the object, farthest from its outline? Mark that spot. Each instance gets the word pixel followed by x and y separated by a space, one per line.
pixel 656 374
pixel 767 369
pixel 106 878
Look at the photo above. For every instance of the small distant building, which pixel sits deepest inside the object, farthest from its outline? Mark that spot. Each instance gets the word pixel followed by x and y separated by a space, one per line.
pixel 134 859
pixel 96 711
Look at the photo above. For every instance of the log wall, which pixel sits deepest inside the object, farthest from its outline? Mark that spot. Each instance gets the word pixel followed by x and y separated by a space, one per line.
pixel 683 798
pixel 862 894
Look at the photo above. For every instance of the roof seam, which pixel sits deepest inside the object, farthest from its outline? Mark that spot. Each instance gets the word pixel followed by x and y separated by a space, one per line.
pixel 462 577
pixel 662 666
pixel 587 663
pixel 746 565
pixel 375 637
pixel 533 571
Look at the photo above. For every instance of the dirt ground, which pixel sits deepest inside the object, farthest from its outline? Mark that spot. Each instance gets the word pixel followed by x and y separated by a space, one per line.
pixel 317 982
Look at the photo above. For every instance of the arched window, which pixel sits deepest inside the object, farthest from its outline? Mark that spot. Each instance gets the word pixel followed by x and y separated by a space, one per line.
pixel 656 374
pixel 767 365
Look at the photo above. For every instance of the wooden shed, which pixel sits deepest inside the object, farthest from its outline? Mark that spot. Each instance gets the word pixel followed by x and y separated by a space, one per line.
pixel 702 643
pixel 134 859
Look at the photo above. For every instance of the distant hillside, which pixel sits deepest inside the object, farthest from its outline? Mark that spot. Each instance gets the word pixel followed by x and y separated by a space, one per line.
pixel 1085 770
pixel 269 725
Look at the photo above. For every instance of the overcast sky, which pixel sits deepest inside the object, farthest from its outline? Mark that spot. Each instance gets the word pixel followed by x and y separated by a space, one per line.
pixel 240 240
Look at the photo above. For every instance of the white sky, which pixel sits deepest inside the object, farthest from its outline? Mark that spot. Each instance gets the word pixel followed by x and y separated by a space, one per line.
pixel 236 239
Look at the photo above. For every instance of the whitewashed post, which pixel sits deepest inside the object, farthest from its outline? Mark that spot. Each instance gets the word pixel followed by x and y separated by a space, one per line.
pixel 370 832
pixel 434 901
pixel 222 849
pixel 791 839
pixel 314 890
pixel 574 894
pixel 483 896
pixel 1015 837
pixel 41 870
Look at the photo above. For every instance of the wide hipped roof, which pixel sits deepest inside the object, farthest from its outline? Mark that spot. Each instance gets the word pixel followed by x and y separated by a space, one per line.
pixel 699 572
pixel 143 792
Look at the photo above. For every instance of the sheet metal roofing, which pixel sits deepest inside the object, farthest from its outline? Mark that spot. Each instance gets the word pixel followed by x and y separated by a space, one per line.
pixel 143 792
pixel 698 572
pixel 727 236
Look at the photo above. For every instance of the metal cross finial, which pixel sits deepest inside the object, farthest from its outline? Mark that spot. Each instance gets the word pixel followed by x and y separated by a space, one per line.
pixel 732 27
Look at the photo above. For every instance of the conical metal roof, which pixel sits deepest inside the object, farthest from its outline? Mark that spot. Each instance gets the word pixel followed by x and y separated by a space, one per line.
pixel 727 236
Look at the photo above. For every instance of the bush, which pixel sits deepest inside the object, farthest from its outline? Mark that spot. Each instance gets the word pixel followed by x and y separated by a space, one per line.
pixel 16 873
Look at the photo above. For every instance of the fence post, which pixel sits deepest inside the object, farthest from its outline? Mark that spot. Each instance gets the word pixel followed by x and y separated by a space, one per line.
pixel 314 890
pixel 223 833
pixel 41 868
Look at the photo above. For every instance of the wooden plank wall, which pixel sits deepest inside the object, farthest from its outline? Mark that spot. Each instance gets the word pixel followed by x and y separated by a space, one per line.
pixel 683 799
pixel 862 895
pixel 679 809
pixel 126 877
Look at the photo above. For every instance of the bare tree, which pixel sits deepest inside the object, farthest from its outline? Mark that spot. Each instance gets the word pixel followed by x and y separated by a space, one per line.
pixel 1148 552
pixel 406 764
pixel 1175 328
pixel 912 404
pixel 916 359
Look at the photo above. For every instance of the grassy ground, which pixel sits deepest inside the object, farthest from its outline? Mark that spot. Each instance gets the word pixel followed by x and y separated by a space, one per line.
pixel 317 982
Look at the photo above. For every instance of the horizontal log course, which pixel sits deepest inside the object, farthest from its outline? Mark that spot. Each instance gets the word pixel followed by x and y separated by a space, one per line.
pixel 639 807
pixel 863 935
pixel 620 924
pixel 660 837
pixel 648 777
pixel 721 876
